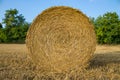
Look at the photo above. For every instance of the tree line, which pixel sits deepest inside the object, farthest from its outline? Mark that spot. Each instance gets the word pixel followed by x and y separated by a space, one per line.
pixel 107 27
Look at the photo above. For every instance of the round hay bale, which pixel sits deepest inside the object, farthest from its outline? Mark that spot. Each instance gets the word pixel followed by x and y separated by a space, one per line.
pixel 61 39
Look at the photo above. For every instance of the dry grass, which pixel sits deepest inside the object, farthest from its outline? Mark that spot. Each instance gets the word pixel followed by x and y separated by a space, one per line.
pixel 61 39
pixel 16 65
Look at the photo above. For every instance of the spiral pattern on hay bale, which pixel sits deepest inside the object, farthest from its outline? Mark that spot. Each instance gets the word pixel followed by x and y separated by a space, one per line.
pixel 61 39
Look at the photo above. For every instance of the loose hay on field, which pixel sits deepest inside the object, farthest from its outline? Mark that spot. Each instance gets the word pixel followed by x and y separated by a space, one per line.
pixel 61 39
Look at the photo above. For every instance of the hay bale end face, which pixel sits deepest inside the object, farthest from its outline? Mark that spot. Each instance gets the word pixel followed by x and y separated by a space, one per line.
pixel 61 39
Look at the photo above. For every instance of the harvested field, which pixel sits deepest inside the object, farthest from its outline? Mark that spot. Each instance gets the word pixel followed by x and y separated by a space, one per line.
pixel 16 65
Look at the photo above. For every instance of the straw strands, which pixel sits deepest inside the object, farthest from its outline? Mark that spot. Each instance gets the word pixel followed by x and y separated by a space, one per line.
pixel 61 39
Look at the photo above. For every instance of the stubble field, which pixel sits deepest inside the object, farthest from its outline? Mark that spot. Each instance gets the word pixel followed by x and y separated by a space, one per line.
pixel 15 64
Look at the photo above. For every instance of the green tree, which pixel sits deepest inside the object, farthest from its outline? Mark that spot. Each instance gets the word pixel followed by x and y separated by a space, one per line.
pixel 108 28
pixel 15 27
pixel 3 36
pixel 17 34
pixel 13 19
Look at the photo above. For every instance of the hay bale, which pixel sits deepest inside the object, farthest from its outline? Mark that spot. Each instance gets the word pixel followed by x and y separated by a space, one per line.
pixel 61 39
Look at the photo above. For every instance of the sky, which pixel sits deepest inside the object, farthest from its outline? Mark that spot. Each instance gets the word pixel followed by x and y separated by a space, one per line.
pixel 31 8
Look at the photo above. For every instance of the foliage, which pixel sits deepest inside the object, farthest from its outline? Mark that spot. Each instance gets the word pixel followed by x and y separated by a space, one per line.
pixel 3 36
pixel 107 28
pixel 15 27
pixel 13 19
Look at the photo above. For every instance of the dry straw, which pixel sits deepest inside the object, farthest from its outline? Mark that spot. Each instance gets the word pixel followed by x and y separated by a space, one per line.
pixel 61 39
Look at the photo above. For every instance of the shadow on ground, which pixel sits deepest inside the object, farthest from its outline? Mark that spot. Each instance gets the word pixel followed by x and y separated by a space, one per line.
pixel 102 59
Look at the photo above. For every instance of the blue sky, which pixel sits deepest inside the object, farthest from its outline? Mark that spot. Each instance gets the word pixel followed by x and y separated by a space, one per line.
pixel 31 8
